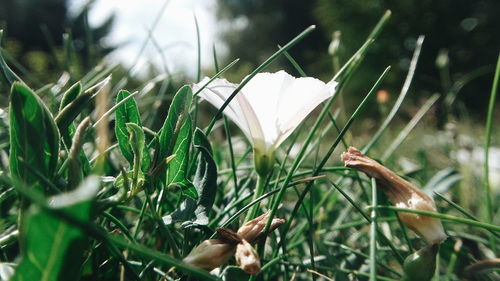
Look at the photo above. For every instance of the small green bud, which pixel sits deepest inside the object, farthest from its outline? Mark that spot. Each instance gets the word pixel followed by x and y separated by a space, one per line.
pixel 264 162
pixel 421 265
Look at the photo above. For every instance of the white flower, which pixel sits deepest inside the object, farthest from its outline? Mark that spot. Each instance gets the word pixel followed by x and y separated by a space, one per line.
pixel 268 108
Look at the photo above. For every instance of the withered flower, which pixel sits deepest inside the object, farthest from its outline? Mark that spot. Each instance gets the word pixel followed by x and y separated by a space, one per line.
pixel 402 194
pixel 247 257
pixel 210 254
pixel 252 229
pixel 213 253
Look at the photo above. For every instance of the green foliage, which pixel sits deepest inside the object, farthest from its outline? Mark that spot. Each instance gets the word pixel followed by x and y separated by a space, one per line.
pixel 205 182
pixel 137 143
pixel 70 95
pixel 54 248
pixel 127 112
pixel 68 113
pixel 174 137
pixel 177 114
pixel 34 137
pixel 142 216
pixel 177 169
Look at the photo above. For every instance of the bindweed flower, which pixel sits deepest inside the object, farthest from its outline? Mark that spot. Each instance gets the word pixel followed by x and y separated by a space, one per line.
pixel 213 253
pixel 210 254
pixel 268 109
pixel 247 257
pixel 402 194
pixel 252 229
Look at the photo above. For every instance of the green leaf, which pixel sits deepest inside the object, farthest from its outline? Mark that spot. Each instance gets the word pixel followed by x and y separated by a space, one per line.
pixel 205 179
pixel 177 113
pixel 205 182
pixel 178 166
pixel 71 94
pixel 137 143
pixel 67 114
pixel 119 181
pixel 127 112
pixel 33 136
pixel 55 249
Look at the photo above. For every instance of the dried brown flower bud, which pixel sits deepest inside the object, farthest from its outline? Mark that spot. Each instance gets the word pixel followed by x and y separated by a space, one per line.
pixel 210 254
pixel 247 257
pixel 252 229
pixel 402 194
pixel 228 236
pixel 215 252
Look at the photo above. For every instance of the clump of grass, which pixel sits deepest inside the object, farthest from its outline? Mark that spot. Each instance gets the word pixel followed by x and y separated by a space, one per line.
pixel 93 190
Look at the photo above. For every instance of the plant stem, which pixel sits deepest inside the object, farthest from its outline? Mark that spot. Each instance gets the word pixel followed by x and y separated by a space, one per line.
pixel 259 190
pixel 373 234
pixel 487 142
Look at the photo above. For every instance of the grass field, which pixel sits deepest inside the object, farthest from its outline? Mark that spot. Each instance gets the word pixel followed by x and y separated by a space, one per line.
pixel 97 183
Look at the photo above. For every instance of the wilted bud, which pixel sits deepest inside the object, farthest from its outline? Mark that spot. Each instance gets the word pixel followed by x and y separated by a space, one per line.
pixel 402 194
pixel 228 236
pixel 210 254
pixel 421 265
pixel 252 229
pixel 247 257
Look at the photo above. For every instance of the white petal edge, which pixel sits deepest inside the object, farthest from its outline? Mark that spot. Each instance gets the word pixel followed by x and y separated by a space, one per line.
pixel 299 99
pixel 254 126
pixel 262 93
pixel 216 93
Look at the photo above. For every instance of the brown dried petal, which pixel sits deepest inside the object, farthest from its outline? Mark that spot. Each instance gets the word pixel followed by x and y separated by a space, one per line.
pixel 402 194
pixel 252 229
pixel 247 257
pixel 228 236
pixel 210 254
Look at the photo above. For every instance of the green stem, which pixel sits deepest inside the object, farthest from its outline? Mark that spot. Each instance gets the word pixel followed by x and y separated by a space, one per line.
pixel 373 234
pixel 489 124
pixel 259 190
pixel 474 223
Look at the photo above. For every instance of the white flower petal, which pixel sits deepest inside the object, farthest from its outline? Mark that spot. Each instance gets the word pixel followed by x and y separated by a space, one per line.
pixel 297 101
pixel 263 93
pixel 270 106
pixel 254 126
pixel 332 86
pixel 216 93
